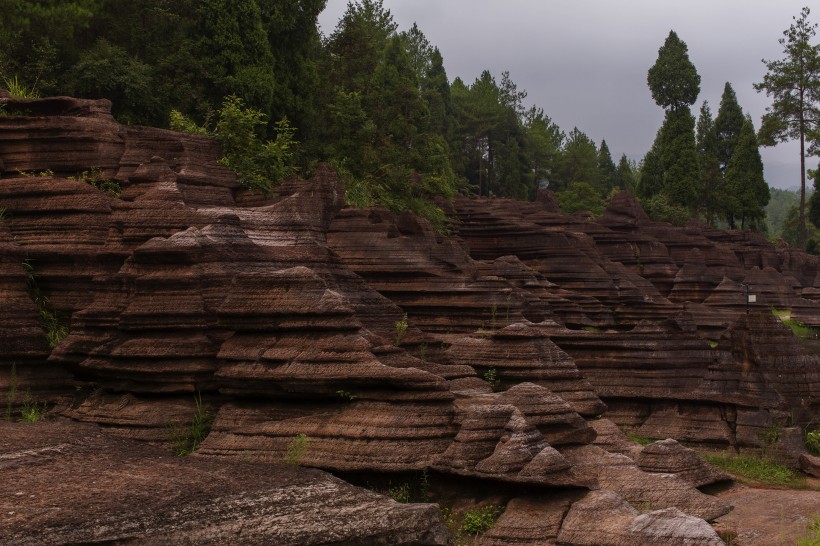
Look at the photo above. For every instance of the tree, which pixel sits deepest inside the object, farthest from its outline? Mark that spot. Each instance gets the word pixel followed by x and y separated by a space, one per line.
pixel 578 162
pixel 794 85
pixel 673 79
pixel 581 196
pixel 606 168
pixel 748 191
pixel 713 196
pixel 728 123
pixel 625 174
pixel 671 166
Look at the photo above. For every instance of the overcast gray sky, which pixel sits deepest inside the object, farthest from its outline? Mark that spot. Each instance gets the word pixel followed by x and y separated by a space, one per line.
pixel 585 61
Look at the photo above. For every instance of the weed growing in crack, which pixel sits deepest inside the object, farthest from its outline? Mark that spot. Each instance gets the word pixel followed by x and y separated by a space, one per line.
pixel 297 449
pixel 186 439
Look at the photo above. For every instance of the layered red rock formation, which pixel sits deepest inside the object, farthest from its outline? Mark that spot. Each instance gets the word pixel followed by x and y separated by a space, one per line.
pixel 286 314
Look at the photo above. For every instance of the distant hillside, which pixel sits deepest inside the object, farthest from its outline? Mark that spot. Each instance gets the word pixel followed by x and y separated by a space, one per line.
pixel 778 208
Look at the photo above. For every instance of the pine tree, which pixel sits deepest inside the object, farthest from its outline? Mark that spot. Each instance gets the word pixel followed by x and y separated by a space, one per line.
pixel 712 192
pixel 747 188
pixel 577 162
pixel 606 168
pixel 728 123
pixel 794 85
pixel 625 174
pixel 673 79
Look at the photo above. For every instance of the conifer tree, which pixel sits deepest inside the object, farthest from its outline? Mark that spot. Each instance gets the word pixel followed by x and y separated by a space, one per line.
pixel 747 188
pixel 712 192
pixel 727 126
pixel 794 85
pixel 673 79
pixel 606 168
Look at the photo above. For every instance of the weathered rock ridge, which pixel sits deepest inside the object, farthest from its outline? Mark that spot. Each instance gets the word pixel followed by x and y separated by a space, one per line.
pixel 523 328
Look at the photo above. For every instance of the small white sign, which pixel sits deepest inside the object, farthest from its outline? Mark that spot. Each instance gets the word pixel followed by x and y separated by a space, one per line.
pixel 752 298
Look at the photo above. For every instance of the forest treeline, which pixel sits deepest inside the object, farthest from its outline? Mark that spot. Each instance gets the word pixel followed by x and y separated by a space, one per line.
pixel 376 102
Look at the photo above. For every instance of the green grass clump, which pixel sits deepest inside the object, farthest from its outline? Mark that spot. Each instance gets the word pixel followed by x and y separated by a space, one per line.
pixel 479 520
pixel 813 442
pixel 801 330
pixel 812 535
pixel 18 90
pixel 31 412
pixel 401 329
pixel 186 439
pixel 642 440
pixel 753 468
pixel 297 449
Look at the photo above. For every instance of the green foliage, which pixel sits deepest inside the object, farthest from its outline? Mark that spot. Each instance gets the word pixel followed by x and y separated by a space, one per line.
pixel 478 521
pixel 491 377
pixel 578 162
pixel 728 125
pixel 811 537
pixel 801 330
pixel 641 440
pixel 673 79
pixel 793 83
pixel 297 448
pixel 18 90
pixel 95 177
pixel 401 329
pixel 53 324
pixel 346 396
pixel 752 468
pixel 259 165
pixel 177 121
pixel 777 210
pixel 186 439
pixel 581 196
pixel 813 442
pixel 747 189
pixel 32 412
pixel 108 71
pixel 659 208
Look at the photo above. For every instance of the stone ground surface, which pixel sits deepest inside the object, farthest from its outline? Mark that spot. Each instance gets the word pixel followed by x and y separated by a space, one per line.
pixel 768 517
pixel 64 483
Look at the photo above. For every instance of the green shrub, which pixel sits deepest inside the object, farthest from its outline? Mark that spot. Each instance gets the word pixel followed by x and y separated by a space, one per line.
pixel 297 449
pixel 31 412
pixel 259 166
pixel 813 442
pixel 95 178
pixel 183 124
pixel 479 520
pixel 401 329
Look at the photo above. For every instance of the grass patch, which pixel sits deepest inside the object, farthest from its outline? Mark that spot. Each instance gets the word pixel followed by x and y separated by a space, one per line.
pixel 186 439
pixel 297 449
pixel 401 329
pixel 95 178
pixel 812 535
pixel 18 90
pixel 642 440
pixel 801 330
pixel 472 523
pixel 753 468
pixel 31 412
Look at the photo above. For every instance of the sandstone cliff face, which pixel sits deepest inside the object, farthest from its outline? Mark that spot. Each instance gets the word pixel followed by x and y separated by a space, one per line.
pixel 523 328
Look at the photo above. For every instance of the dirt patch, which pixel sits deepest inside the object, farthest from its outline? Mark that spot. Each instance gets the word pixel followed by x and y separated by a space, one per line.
pixel 768 517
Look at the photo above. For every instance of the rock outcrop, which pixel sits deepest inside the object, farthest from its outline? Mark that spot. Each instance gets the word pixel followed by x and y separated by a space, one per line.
pixel 364 342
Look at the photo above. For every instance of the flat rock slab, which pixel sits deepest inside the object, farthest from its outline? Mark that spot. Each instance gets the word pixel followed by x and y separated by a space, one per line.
pixel 65 483
pixel 763 517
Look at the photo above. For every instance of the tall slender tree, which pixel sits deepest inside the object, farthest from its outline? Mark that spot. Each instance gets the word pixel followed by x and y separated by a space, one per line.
pixel 712 194
pixel 671 166
pixel 744 180
pixel 793 82
pixel 606 167
pixel 728 123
